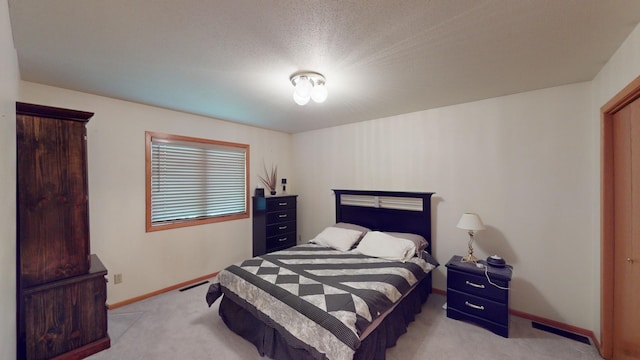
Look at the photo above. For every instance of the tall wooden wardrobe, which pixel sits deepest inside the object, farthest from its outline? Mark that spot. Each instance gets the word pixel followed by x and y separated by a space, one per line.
pixel 61 287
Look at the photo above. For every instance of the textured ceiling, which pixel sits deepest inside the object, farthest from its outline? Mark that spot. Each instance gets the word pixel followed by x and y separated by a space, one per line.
pixel 231 59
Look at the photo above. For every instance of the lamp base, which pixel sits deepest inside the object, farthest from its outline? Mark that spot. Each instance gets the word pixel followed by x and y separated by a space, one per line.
pixel 469 258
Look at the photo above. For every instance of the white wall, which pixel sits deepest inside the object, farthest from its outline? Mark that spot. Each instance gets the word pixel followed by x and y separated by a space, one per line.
pixel 528 163
pixel 9 79
pixel 620 70
pixel 521 161
pixel 116 152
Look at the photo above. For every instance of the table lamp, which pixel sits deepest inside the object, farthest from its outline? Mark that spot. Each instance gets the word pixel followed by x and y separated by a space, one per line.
pixel 472 223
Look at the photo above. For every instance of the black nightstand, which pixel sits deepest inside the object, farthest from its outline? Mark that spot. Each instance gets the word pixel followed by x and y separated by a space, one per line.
pixel 471 297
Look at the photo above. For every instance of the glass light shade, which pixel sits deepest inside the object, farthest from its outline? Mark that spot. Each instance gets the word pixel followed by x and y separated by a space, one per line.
pixel 299 99
pixel 470 221
pixel 304 87
pixel 319 93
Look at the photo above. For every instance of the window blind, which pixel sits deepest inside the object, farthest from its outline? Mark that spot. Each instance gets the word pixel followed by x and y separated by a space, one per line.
pixel 192 180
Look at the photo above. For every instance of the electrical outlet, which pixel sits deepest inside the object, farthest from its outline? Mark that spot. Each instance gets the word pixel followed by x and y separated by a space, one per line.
pixel 117 278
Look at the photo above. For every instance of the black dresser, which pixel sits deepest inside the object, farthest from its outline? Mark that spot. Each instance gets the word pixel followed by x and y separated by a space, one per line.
pixel 471 297
pixel 274 223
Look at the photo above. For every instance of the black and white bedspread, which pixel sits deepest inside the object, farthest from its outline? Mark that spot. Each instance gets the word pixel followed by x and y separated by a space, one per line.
pixel 323 297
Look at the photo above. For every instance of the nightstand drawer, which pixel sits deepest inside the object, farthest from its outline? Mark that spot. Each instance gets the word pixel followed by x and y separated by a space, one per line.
pixel 281 228
pixel 281 242
pixel 281 203
pixel 281 216
pixel 477 306
pixel 477 285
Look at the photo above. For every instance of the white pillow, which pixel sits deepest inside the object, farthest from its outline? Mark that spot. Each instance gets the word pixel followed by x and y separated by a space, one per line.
pixel 379 244
pixel 337 238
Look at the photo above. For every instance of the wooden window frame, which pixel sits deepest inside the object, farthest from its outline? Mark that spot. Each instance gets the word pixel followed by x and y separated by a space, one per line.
pixel 150 226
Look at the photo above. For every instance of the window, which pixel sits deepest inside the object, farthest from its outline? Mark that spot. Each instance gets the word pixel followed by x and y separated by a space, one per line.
pixel 193 181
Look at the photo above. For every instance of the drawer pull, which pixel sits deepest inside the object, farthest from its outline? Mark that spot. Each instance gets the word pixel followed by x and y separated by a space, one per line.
pixel 282 204
pixel 479 286
pixel 282 227
pixel 477 307
pixel 283 239
pixel 282 215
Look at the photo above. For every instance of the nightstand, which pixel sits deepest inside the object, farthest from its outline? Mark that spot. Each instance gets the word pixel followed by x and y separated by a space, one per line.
pixel 471 297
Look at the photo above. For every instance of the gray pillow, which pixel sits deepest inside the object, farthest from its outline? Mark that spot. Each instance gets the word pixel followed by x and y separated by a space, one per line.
pixel 345 225
pixel 420 241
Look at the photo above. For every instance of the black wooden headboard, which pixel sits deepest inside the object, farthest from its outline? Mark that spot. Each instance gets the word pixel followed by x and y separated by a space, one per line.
pixel 397 211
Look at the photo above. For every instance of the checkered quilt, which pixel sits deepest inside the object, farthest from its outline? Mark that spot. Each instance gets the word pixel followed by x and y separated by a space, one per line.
pixel 322 297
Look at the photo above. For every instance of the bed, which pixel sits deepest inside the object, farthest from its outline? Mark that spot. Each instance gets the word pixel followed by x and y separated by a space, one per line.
pixel 336 297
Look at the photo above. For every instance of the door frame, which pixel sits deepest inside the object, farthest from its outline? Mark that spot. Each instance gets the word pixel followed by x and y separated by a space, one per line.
pixel 627 95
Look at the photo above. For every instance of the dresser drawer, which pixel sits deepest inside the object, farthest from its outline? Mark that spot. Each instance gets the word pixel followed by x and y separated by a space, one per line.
pixel 281 228
pixel 281 242
pixel 477 285
pixel 284 203
pixel 281 216
pixel 477 306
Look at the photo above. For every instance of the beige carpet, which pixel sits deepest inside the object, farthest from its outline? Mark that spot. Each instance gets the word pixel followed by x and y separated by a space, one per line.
pixel 179 325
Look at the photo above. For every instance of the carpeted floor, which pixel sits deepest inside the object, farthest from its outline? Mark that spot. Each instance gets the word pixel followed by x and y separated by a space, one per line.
pixel 179 325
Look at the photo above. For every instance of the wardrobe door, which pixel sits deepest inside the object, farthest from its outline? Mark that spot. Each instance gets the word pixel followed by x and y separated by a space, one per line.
pixel 53 219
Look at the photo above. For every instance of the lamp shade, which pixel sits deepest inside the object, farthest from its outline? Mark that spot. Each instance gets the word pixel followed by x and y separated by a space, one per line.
pixel 470 221
pixel 300 100
pixel 304 87
pixel 319 93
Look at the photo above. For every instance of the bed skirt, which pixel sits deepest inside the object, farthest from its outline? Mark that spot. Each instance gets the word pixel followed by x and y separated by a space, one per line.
pixel 271 343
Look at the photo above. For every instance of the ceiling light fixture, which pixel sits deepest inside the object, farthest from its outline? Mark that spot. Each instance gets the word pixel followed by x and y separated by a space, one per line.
pixel 308 85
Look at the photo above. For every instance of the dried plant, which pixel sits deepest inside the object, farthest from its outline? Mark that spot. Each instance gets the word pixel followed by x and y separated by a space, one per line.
pixel 270 178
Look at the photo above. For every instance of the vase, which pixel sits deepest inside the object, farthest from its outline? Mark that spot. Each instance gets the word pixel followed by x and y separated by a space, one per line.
pixel 273 192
